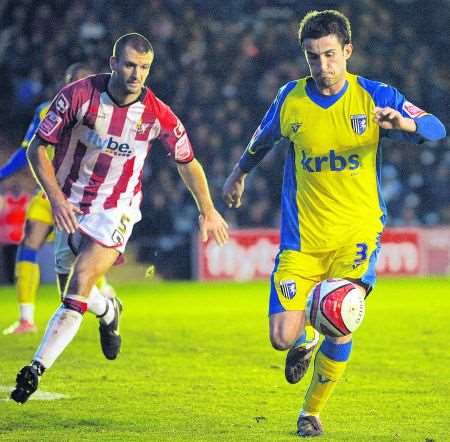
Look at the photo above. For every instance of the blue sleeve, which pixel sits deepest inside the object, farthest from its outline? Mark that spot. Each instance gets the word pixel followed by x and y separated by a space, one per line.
pixel 267 134
pixel 16 162
pixel 429 127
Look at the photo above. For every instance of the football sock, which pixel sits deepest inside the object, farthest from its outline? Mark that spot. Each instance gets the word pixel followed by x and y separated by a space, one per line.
pixel 96 302
pixel 307 336
pixel 101 306
pixel 61 329
pixel 27 312
pixel 329 366
pixel 27 280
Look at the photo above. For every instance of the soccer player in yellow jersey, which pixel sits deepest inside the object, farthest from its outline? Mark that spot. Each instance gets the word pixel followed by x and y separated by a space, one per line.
pixel 39 224
pixel 332 209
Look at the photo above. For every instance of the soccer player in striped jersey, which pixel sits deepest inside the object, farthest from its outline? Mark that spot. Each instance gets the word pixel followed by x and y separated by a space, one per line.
pixel 332 209
pixel 39 223
pixel 102 128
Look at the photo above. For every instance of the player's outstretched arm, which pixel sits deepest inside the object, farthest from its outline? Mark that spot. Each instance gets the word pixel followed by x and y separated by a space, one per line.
pixel 210 220
pixel 233 188
pixel 63 211
pixel 16 162
pixel 427 126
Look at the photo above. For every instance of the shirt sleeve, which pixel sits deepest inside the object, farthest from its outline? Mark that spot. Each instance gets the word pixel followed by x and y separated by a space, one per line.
pixel 62 113
pixel 429 127
pixel 173 135
pixel 267 134
pixel 16 162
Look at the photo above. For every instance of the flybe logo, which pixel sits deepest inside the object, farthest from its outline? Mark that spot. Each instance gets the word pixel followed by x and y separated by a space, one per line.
pixel 333 162
pixel 108 145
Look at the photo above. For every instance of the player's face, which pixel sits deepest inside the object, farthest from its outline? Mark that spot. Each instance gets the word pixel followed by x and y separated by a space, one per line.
pixel 327 61
pixel 130 69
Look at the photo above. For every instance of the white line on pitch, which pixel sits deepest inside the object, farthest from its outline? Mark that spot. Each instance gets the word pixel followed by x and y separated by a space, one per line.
pixel 37 396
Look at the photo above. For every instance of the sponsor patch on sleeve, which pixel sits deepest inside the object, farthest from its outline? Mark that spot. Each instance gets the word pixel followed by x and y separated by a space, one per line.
pixel 179 129
pixel 62 103
pixel 50 123
pixel 412 110
pixel 182 149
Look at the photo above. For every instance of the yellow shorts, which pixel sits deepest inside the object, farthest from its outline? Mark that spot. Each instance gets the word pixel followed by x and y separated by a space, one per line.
pixel 40 210
pixel 295 273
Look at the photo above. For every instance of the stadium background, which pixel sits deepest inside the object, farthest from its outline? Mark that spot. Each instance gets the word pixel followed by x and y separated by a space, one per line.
pixel 219 64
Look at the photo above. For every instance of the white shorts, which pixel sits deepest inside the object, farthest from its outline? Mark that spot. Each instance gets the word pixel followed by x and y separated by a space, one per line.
pixel 111 228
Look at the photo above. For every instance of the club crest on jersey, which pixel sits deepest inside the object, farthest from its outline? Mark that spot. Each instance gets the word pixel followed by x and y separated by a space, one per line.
pixel 359 123
pixel 288 288
pixel 141 127
pixel 295 127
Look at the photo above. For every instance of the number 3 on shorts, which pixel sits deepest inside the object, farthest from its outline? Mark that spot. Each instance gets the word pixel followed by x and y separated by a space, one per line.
pixel 361 254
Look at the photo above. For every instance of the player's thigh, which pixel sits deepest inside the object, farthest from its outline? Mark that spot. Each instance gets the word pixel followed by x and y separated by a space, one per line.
pixel 39 221
pixel 294 275
pixel 36 233
pixel 356 261
pixel 40 209
pixel 92 261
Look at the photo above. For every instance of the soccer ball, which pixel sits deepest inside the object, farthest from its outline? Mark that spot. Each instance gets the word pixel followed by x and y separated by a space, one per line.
pixel 335 307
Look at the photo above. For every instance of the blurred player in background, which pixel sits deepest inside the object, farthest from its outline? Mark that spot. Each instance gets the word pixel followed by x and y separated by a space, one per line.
pixel 39 223
pixel 102 129
pixel 332 211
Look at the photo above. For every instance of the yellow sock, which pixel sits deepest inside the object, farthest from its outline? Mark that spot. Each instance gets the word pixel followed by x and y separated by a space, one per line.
pixel 329 366
pixel 27 283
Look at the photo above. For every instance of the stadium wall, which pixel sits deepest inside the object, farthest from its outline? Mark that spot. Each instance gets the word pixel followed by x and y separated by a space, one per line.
pixel 250 254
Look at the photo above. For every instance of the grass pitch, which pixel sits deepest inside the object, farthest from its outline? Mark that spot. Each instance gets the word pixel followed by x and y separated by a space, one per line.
pixel 196 365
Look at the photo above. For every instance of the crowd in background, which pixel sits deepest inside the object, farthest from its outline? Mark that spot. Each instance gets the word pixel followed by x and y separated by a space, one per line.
pixel 219 64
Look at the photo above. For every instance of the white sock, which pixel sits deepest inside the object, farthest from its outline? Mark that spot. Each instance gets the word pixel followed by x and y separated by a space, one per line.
pixel 96 302
pixel 26 312
pixel 61 329
pixel 101 306
pixel 109 316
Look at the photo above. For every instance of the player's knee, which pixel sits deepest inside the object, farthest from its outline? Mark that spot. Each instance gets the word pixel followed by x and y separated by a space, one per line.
pixel 282 340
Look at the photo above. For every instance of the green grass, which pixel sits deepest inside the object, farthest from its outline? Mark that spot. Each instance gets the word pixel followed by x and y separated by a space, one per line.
pixel 196 365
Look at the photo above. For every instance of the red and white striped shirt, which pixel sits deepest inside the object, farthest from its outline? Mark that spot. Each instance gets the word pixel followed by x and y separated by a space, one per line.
pixel 100 147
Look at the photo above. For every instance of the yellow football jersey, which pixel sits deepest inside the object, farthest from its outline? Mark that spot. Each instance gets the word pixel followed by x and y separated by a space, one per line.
pixel 331 184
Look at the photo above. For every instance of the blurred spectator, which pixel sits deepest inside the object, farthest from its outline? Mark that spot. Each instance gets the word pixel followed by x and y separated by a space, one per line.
pixel 220 64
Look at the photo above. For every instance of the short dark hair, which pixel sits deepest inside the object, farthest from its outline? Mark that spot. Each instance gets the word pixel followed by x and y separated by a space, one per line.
pixel 137 41
pixel 317 24
pixel 73 69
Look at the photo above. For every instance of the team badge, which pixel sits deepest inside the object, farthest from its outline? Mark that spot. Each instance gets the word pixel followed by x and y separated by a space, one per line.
pixel 359 123
pixel 62 103
pixel 295 127
pixel 288 288
pixel 141 127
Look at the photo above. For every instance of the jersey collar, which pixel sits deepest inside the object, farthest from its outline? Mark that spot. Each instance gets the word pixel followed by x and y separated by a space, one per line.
pixel 321 100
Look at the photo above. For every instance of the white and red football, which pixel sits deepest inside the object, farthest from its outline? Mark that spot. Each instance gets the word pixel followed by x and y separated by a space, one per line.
pixel 335 307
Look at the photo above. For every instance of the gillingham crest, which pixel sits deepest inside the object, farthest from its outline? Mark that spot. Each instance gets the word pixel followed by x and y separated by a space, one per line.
pixel 359 123
pixel 288 288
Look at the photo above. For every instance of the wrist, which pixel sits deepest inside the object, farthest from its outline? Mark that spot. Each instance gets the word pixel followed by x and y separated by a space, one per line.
pixel 409 125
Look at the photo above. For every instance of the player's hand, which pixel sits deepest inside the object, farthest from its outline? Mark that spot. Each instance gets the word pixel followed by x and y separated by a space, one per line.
pixel 233 188
pixel 388 118
pixel 64 214
pixel 213 223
